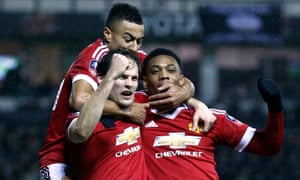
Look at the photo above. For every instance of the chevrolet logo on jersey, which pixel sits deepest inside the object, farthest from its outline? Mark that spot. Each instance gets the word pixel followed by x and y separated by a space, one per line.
pixel 176 140
pixel 129 136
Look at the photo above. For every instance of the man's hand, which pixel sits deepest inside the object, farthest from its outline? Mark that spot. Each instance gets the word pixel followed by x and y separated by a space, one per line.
pixel 202 116
pixel 170 97
pixel 119 64
pixel 270 93
pixel 137 113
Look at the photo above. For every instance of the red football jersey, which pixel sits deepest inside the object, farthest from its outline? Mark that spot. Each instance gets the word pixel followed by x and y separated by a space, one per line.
pixel 109 153
pixel 173 151
pixel 84 67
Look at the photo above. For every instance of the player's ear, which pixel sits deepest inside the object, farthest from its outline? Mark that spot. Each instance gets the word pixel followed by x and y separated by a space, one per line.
pixel 107 34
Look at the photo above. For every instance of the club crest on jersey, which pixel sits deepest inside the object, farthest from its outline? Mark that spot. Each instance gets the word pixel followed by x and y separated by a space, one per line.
pixel 93 64
pixel 176 140
pixel 197 130
pixel 129 136
pixel 231 118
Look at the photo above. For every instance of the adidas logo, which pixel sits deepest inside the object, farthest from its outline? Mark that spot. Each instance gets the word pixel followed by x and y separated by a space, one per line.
pixel 151 124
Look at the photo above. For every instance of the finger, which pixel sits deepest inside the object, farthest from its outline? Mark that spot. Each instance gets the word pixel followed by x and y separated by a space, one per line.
pixel 158 96
pixel 205 127
pixel 130 65
pixel 162 103
pixel 195 123
pixel 163 111
pixel 164 108
pixel 146 105
pixel 164 87
pixel 209 124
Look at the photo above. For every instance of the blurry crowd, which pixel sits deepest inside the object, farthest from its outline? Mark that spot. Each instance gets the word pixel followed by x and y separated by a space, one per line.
pixel 39 68
pixel 244 102
pixel 39 73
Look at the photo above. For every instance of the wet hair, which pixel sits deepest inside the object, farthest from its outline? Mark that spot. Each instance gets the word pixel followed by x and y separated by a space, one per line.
pixel 123 11
pixel 104 64
pixel 157 52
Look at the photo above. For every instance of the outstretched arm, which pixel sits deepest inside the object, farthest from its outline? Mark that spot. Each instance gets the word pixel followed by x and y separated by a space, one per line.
pixel 270 140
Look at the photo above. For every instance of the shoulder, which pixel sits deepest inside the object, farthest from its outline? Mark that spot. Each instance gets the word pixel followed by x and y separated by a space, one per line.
pixel 221 114
pixel 86 61
pixel 95 50
pixel 223 117
pixel 218 112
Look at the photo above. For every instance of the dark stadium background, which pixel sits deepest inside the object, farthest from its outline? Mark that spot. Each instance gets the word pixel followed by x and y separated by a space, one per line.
pixel 226 45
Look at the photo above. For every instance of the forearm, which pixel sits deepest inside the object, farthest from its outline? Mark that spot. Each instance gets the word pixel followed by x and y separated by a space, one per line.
pixel 91 112
pixel 112 109
pixel 80 94
pixel 269 141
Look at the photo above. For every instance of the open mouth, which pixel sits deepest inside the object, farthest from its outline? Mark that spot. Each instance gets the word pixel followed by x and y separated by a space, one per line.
pixel 127 94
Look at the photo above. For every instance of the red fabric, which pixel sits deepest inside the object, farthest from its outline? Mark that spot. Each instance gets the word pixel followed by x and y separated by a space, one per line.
pixel 109 153
pixel 270 140
pixel 85 64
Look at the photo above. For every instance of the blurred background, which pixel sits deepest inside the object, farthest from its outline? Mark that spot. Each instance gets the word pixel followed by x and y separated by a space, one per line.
pixel 226 45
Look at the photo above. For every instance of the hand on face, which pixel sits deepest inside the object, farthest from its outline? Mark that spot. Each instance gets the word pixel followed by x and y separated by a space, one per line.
pixel 170 97
pixel 119 64
pixel 163 81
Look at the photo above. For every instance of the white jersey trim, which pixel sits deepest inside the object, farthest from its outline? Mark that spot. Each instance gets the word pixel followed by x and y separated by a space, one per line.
pixel 247 137
pixel 56 171
pixel 96 52
pixel 69 129
pixel 86 78
pixel 172 115
pixel 100 52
